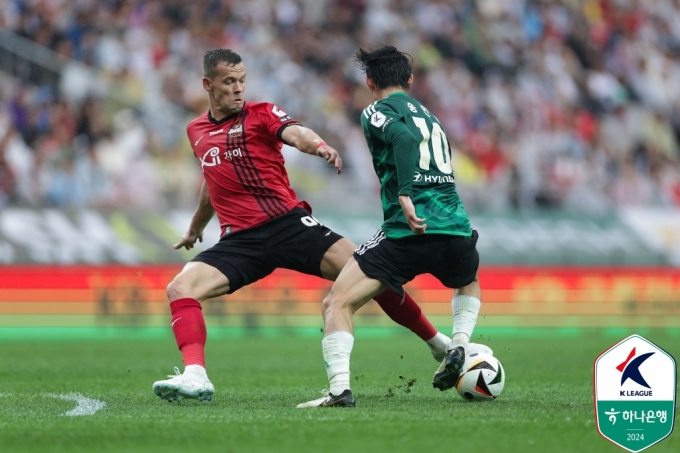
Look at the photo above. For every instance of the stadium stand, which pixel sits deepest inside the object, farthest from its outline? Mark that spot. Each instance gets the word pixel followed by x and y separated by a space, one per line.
pixel 570 105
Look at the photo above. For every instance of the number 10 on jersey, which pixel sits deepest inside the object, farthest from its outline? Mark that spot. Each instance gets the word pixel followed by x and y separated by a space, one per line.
pixel 440 146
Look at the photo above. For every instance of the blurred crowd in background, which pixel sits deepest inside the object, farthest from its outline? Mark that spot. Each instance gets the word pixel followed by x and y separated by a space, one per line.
pixel 554 104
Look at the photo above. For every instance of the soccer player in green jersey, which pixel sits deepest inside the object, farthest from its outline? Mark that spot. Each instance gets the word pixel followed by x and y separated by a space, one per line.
pixel 425 228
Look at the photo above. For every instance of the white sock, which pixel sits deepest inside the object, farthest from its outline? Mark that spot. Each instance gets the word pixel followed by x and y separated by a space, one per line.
pixel 439 342
pixel 337 347
pixel 196 369
pixel 465 311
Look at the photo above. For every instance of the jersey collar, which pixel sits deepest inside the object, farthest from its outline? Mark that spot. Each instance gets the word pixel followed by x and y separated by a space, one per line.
pixel 225 119
pixel 396 93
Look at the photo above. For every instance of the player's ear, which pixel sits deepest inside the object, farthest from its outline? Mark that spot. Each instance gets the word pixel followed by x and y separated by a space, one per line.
pixel 409 82
pixel 370 84
pixel 207 84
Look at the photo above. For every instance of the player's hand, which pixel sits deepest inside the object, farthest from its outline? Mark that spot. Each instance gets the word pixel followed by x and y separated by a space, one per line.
pixel 417 225
pixel 188 240
pixel 331 155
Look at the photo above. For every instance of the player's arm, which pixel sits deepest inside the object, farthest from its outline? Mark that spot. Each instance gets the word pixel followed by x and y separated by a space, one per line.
pixel 204 212
pixel 405 147
pixel 307 141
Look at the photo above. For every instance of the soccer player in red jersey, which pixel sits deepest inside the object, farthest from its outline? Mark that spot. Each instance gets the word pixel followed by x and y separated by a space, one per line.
pixel 263 224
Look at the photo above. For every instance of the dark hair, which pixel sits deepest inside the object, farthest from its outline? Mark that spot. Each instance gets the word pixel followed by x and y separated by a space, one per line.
pixel 387 67
pixel 213 58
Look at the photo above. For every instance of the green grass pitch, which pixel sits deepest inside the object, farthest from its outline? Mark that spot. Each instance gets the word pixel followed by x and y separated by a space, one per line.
pixel 547 404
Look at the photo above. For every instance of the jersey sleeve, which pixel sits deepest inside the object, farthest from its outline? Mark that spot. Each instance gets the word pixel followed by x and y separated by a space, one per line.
pixel 191 136
pixel 274 120
pixel 376 118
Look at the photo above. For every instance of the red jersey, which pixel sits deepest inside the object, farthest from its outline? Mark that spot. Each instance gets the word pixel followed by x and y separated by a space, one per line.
pixel 242 164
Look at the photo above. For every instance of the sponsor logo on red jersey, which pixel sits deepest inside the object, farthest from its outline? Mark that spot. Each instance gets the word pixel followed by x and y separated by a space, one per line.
pixel 236 131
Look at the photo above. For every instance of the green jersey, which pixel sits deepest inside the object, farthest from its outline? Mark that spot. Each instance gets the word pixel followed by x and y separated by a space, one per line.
pixel 422 170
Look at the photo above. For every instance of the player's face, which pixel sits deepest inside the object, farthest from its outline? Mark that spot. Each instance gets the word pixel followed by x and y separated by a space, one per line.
pixel 227 88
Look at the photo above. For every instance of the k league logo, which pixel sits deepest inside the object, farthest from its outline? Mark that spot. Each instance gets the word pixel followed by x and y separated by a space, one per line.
pixel 635 393
pixel 378 119
pixel 631 370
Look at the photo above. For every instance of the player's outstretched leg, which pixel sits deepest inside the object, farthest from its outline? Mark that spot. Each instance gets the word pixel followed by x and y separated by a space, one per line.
pixel 405 311
pixel 466 304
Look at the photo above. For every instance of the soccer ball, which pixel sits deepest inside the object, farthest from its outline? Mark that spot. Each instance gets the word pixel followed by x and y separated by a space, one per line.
pixel 482 378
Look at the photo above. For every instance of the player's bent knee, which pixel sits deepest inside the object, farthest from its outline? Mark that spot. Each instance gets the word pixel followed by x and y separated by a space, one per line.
pixel 332 303
pixel 178 288
pixel 326 305
pixel 171 291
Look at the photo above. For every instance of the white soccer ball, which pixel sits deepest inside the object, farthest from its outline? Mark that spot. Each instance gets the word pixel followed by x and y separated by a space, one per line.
pixel 482 378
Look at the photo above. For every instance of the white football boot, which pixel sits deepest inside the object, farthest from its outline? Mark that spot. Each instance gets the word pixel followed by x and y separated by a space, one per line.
pixel 191 384
pixel 440 353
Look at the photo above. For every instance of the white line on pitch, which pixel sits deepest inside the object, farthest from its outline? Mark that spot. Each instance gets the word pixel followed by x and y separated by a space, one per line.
pixel 84 405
